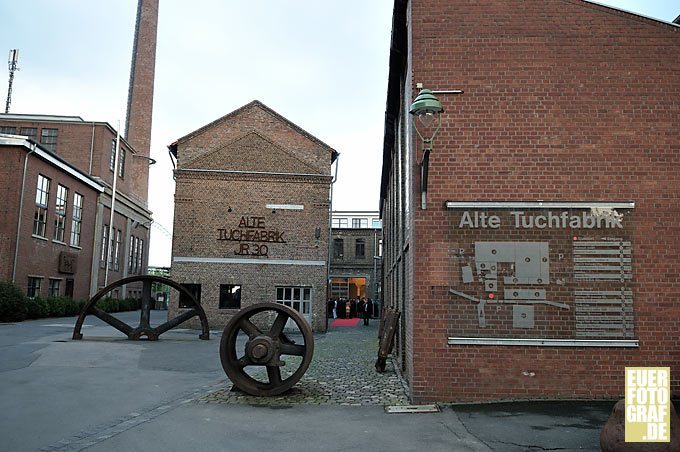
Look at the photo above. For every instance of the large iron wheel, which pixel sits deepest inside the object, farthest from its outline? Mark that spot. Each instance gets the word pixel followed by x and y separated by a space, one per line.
pixel 144 329
pixel 262 326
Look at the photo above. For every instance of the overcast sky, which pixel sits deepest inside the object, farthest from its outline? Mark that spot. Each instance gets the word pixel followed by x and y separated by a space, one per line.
pixel 322 64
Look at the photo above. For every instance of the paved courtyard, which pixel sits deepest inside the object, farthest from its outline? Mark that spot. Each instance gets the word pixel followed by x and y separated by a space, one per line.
pixel 342 372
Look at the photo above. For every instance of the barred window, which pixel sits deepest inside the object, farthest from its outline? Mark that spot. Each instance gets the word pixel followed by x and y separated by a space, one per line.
pixel 298 298
pixel 360 249
pixel 53 289
pixel 77 219
pixel 121 163
pixel 48 138
pixel 338 248
pixel 112 159
pixel 131 255
pixel 60 213
pixel 30 132
pixel 116 254
pixel 33 287
pixel 105 242
pixel 42 197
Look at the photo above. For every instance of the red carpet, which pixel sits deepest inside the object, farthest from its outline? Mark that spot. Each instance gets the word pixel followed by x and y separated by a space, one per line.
pixel 345 322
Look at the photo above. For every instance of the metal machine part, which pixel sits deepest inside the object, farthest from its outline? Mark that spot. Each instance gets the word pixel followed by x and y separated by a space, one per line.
pixel 144 329
pixel 259 331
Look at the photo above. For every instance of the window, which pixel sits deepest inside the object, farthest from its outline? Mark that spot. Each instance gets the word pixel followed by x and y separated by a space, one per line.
pixel 230 296
pixel 77 219
pixel 53 289
pixel 139 267
pixel 30 132
pixel 42 197
pixel 338 248
pixel 376 224
pixel 112 160
pixel 68 291
pixel 185 301
pixel 48 138
pixel 131 255
pixel 60 213
pixel 33 288
pixel 360 249
pixel 359 222
pixel 105 241
pixel 10 130
pixel 116 254
pixel 339 222
pixel 121 163
pixel 298 298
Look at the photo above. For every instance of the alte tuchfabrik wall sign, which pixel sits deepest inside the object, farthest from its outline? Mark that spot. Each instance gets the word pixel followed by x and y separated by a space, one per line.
pixel 253 231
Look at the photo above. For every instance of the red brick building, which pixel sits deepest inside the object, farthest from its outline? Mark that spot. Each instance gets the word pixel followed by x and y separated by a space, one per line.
pixel 118 243
pixel 90 147
pixel 252 215
pixel 47 220
pixel 545 257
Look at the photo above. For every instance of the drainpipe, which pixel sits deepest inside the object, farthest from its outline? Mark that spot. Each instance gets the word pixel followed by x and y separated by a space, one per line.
pixel 113 207
pixel 21 209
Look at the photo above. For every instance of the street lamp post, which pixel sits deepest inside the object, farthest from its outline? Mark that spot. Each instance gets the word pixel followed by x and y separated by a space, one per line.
pixel 426 108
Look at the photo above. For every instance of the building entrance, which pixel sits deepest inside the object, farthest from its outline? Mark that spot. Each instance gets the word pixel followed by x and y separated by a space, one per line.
pixel 348 288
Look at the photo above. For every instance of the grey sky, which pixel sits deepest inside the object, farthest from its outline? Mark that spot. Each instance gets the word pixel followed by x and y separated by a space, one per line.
pixel 321 64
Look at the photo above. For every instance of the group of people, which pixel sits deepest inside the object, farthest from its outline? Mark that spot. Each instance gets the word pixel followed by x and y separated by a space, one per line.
pixel 349 309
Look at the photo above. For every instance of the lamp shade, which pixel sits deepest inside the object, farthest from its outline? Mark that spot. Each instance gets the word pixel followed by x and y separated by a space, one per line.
pixel 426 108
pixel 426 102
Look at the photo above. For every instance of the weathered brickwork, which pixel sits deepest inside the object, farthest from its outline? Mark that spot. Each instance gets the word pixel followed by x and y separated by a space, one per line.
pixel 252 210
pixel 563 101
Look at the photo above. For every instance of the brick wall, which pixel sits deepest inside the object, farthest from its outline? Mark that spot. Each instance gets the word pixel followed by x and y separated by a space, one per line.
pixel 39 257
pixel 227 229
pixel 564 101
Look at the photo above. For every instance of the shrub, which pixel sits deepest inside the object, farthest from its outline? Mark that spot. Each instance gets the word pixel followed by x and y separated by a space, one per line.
pixel 37 308
pixel 56 306
pixel 108 305
pixel 12 303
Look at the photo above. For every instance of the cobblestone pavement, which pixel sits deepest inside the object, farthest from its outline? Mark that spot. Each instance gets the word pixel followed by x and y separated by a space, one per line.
pixel 342 372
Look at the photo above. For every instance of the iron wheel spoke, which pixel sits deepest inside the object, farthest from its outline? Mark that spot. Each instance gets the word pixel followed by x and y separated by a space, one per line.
pixel 293 349
pixel 278 325
pixel 244 362
pixel 274 374
pixel 249 328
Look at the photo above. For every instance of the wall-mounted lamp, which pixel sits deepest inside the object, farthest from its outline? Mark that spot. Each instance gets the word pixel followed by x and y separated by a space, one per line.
pixel 426 108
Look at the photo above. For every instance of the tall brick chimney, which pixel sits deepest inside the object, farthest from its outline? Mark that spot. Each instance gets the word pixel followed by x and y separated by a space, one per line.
pixel 140 92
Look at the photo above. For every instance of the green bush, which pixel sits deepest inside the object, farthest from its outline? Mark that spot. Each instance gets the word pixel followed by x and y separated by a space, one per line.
pixel 56 307
pixel 108 305
pixel 37 308
pixel 12 303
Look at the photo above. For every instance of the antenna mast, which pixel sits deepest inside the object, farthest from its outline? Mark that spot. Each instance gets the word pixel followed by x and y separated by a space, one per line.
pixel 12 62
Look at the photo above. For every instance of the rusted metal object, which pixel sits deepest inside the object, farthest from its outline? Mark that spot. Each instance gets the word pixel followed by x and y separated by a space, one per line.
pixel 613 435
pixel 390 323
pixel 262 343
pixel 144 329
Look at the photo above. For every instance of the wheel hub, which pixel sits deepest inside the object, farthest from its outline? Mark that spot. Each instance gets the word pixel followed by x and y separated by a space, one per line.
pixel 261 349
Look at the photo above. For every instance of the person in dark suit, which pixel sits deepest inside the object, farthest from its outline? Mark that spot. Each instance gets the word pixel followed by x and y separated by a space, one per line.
pixel 367 305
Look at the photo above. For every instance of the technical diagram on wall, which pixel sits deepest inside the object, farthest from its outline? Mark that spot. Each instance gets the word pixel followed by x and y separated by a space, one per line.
pixel 555 272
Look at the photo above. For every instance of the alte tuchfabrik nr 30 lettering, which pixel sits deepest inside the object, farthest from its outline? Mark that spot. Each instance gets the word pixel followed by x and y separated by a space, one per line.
pixel 550 220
